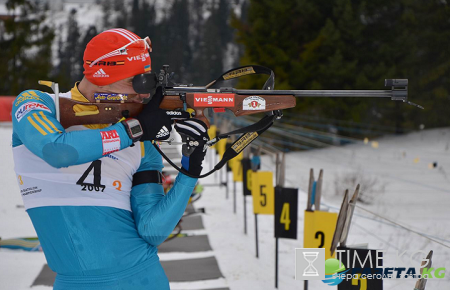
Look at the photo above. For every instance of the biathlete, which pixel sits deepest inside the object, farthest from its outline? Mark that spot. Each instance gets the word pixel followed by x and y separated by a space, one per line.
pixel 94 192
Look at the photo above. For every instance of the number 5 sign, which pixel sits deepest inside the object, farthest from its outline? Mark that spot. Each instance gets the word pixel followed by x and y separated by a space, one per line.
pixel 286 214
pixel 263 192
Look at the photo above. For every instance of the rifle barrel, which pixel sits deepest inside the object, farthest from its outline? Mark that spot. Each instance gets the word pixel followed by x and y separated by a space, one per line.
pixel 398 92
pixel 322 93
pixel 394 93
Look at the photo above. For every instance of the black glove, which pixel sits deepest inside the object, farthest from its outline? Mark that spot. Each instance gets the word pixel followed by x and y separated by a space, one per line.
pixel 194 133
pixel 157 123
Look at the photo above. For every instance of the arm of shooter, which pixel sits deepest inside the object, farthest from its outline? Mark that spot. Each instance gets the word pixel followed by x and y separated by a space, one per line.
pixel 36 127
pixel 156 214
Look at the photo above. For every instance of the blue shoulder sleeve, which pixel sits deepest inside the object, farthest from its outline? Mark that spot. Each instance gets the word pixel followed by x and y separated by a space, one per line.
pixel 36 127
pixel 156 214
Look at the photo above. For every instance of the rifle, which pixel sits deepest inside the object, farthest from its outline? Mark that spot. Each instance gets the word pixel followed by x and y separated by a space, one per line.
pixel 240 102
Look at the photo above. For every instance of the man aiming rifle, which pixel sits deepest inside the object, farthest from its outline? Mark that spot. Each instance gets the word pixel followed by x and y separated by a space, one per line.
pixel 90 176
pixel 93 191
pixel 215 96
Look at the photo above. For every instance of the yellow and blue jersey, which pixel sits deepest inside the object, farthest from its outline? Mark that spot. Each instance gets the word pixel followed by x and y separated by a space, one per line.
pixel 97 230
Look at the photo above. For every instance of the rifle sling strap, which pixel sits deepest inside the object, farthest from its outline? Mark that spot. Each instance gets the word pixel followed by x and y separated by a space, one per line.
pixel 260 125
pixel 250 134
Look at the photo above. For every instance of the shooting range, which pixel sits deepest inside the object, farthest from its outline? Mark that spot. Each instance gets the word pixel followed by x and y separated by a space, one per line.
pixel 328 128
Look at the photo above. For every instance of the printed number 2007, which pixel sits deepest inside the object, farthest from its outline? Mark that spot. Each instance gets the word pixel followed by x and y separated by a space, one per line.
pixel 97 167
pixel 91 187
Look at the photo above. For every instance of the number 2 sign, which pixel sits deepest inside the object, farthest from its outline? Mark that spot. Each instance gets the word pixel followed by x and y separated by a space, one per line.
pixel 319 230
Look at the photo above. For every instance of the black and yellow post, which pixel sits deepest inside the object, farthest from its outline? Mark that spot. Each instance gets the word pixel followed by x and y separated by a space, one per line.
pixel 263 197
pixel 319 226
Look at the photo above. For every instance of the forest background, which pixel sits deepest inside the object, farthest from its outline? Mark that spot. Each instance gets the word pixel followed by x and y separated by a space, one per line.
pixel 310 44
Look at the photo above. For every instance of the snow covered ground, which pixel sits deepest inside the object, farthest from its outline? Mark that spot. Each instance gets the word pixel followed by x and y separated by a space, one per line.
pixel 405 190
pixel 414 195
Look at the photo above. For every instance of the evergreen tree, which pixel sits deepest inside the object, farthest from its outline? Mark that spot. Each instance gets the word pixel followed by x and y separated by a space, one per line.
pixel 122 18
pixel 107 9
pixel 143 18
pixel 135 20
pixel 194 47
pixel 221 18
pixel 172 46
pixel 89 34
pixel 354 44
pixel 214 38
pixel 212 50
pixel 61 73
pixel 26 48
pixel 197 44
pixel 70 54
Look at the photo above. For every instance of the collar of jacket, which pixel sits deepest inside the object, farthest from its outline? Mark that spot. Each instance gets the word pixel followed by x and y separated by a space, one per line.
pixel 78 96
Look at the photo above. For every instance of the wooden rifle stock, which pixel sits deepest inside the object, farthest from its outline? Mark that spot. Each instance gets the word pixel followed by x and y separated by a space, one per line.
pixel 273 102
pixel 107 113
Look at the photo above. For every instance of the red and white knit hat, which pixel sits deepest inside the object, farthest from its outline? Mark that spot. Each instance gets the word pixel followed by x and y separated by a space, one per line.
pixel 114 55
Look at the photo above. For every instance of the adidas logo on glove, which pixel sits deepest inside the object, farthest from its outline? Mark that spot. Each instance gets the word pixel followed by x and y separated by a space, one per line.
pixel 173 113
pixel 163 132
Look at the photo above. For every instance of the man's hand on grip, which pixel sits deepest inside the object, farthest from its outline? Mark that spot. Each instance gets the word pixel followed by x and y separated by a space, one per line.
pixel 194 133
pixel 157 123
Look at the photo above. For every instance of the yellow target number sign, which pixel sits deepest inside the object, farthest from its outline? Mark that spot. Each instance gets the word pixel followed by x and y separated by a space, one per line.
pixel 212 132
pixel 319 230
pixel 237 167
pixel 263 192
pixel 246 176
pixel 221 146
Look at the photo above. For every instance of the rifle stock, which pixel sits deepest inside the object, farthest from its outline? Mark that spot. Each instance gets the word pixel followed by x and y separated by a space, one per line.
pixel 240 102
pixel 106 113
pixel 272 103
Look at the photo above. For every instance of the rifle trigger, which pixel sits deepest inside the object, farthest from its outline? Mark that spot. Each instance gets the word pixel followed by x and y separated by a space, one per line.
pixel 278 114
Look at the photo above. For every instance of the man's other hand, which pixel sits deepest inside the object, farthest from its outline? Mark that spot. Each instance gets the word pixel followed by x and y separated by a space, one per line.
pixel 194 134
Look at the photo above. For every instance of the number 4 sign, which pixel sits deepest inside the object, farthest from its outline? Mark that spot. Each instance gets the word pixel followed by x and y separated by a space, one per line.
pixel 286 213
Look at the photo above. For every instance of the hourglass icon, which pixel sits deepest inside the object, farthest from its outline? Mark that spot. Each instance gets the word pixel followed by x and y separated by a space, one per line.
pixel 310 270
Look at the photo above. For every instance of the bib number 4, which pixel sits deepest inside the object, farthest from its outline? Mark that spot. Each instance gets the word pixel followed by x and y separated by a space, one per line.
pixel 97 186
